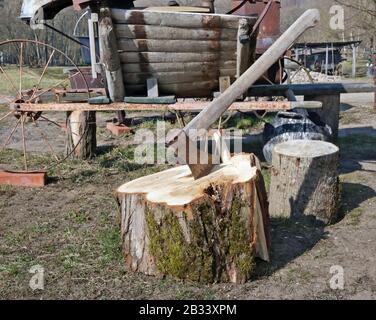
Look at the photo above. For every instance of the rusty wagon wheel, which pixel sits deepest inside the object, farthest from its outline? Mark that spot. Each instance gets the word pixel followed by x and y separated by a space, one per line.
pixel 33 72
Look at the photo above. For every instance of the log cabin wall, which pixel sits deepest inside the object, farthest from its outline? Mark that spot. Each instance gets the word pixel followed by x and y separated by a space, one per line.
pixel 186 52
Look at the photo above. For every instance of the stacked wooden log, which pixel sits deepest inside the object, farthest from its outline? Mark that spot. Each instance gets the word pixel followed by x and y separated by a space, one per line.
pixel 206 230
pixel 186 52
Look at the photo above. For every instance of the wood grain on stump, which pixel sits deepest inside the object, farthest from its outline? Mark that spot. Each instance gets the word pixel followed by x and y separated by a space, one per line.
pixel 305 180
pixel 207 230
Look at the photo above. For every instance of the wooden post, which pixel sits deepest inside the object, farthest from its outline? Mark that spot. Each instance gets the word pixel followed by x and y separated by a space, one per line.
pixel 243 48
pixel 81 131
pixel 305 180
pixel 110 59
pixel 374 74
pixel 354 61
pixel 207 230
pixel 329 113
pixel 327 60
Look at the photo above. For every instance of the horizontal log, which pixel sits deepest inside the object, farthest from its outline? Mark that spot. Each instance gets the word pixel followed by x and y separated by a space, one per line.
pixel 166 33
pixel 180 20
pixel 196 106
pixel 176 57
pixel 140 45
pixel 182 67
pixel 316 89
pixel 177 77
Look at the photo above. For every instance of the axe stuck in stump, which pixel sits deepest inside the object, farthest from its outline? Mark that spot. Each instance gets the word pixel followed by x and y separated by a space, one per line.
pixel 199 222
pixel 184 143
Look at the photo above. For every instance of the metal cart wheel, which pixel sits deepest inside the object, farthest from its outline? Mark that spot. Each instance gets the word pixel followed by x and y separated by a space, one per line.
pixel 34 72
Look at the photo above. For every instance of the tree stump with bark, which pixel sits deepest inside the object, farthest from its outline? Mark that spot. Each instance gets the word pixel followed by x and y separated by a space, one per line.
pixel 81 132
pixel 305 180
pixel 206 230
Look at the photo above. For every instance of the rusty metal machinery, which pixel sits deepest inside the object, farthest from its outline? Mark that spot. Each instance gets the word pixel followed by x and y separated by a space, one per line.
pixel 269 18
pixel 26 84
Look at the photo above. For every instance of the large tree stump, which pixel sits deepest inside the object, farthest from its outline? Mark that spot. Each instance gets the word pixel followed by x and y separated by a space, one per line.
pixel 305 180
pixel 207 230
pixel 82 134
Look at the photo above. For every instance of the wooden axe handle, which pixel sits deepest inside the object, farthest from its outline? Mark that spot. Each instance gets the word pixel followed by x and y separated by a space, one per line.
pixel 217 107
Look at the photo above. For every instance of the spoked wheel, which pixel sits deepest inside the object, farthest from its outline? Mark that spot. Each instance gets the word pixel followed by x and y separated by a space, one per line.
pixel 34 73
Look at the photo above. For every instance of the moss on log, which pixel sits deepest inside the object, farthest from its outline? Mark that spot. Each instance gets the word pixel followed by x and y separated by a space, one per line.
pixel 207 230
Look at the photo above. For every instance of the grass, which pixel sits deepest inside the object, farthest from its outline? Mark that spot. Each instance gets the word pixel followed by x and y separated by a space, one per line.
pixel 30 78
pixel 353 218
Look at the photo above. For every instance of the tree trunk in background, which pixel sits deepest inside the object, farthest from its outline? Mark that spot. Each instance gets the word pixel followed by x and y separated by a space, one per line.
pixel 81 131
pixel 305 180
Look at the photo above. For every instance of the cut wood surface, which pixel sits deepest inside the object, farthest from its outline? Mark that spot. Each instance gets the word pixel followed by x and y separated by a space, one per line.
pixel 165 33
pixel 181 20
pixel 305 180
pixel 207 230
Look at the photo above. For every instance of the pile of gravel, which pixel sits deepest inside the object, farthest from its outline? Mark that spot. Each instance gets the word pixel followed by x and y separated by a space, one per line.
pixel 302 77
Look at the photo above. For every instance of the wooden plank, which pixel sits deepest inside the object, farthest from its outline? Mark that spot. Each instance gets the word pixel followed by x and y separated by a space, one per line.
pixel 178 9
pixel 180 106
pixel 176 77
pixel 152 86
pixel 149 100
pixel 318 89
pixel 166 33
pixel 224 83
pixel 176 57
pixel 180 20
pixel 178 66
pixel 152 45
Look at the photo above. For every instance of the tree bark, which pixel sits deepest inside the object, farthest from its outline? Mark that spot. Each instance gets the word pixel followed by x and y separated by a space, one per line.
pixel 81 131
pixel 207 230
pixel 305 180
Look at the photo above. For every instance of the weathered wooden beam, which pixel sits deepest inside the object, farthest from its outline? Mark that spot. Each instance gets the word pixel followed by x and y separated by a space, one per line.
pixel 329 114
pixel 243 47
pixel 178 9
pixel 152 45
pixel 311 89
pixel 176 57
pixel 166 33
pixel 178 67
pixel 180 20
pixel 179 106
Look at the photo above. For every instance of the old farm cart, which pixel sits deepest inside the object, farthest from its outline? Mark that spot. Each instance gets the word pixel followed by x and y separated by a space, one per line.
pixel 150 59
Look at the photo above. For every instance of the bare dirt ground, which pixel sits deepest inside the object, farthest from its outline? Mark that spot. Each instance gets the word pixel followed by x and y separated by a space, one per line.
pixel 70 227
